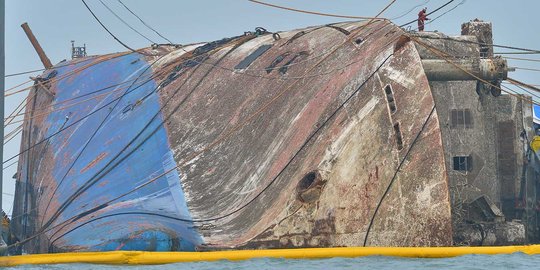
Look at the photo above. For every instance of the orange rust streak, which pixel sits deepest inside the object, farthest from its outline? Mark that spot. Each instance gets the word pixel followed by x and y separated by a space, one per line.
pixel 94 162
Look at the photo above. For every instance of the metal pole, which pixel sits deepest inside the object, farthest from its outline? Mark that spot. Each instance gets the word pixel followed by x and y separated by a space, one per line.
pixel 2 74
pixel 42 56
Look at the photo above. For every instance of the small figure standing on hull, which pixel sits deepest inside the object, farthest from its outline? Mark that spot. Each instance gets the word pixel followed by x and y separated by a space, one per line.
pixel 422 17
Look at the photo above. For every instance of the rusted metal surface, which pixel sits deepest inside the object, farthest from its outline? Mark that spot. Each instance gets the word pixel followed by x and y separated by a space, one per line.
pixel 355 153
pixel 281 151
pixel 485 136
pixel 487 69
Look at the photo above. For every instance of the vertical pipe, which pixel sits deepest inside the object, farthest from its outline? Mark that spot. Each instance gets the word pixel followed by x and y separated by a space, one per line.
pixel 2 74
pixel 42 56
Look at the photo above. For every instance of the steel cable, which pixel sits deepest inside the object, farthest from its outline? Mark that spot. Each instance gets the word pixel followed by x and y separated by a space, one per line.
pixel 97 176
pixel 378 29
pixel 99 128
pixel 437 9
pixel 143 22
pixel 267 186
pixel 392 180
pixel 108 31
pixel 481 43
pixel 313 12
pixel 125 23
pixel 100 59
pixel 264 107
pixel 445 57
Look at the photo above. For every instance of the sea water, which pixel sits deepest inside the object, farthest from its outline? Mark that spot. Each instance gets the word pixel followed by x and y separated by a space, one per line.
pixel 476 262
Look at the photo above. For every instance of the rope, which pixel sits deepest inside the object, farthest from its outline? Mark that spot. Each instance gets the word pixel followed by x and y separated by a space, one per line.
pixel 263 108
pixel 481 43
pixel 522 59
pixel 378 29
pixel 283 77
pixel 528 69
pixel 310 137
pixel 522 83
pixel 100 59
pixel 143 22
pixel 55 67
pixel 45 107
pixel 247 74
pixel 125 23
pixel 519 83
pixel 444 13
pixel 408 12
pixel 97 176
pixel 193 60
pixel 13 163
pixel 17 110
pixel 437 9
pixel 64 128
pixel 70 125
pixel 12 134
pixel 525 90
pixel 441 54
pixel 106 29
pixel 25 72
pixel 98 129
pixel 21 84
pixel 313 12
pixel 533 52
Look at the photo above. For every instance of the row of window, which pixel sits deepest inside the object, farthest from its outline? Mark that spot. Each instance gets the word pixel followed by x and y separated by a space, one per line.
pixel 393 109
pixel 463 163
pixel 461 119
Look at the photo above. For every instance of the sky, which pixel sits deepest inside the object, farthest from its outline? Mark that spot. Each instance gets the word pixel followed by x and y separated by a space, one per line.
pixel 56 22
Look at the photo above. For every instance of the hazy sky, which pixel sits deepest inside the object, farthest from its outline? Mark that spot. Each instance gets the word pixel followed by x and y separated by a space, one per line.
pixel 56 22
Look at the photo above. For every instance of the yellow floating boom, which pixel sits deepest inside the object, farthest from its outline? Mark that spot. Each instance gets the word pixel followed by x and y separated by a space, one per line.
pixel 146 258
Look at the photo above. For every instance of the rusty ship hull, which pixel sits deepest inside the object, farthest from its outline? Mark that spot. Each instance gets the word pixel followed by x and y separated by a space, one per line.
pixel 318 137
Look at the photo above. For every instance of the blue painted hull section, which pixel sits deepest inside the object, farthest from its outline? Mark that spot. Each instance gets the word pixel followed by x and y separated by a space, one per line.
pixel 112 168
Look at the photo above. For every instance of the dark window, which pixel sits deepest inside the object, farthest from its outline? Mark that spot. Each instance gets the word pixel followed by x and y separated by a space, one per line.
pixel 399 136
pixel 390 98
pixel 461 119
pixel 252 57
pixel 463 163
pixel 484 51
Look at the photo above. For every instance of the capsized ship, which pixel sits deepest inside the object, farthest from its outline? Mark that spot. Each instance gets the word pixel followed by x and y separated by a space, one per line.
pixel 335 135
